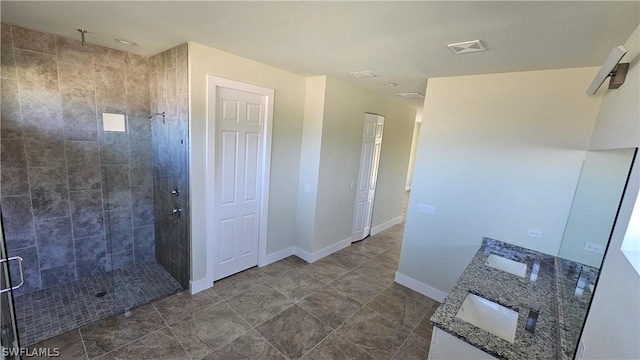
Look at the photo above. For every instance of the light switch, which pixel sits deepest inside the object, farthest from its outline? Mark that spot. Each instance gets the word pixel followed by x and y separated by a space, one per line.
pixel 307 188
pixel 426 209
pixel 534 233
pixel 598 249
pixel 113 122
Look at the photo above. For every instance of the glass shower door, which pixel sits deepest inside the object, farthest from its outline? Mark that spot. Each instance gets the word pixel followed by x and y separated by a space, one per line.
pixel 9 347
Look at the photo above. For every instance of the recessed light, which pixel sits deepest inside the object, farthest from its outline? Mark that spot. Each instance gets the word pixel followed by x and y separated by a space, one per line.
pixel 126 42
pixel 390 84
pixel 362 74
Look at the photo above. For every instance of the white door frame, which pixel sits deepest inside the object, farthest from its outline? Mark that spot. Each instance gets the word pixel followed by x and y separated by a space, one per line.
pixel 213 84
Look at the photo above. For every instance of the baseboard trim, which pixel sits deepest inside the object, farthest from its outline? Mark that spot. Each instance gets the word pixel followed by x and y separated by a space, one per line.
pixel 420 287
pixel 315 256
pixel 385 225
pixel 199 285
pixel 203 284
pixel 302 254
pixel 276 256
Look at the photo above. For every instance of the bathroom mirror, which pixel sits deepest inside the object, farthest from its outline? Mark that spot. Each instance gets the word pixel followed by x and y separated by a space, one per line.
pixel 595 205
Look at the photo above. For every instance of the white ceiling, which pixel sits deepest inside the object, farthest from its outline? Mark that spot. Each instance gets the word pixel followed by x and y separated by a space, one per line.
pixel 402 42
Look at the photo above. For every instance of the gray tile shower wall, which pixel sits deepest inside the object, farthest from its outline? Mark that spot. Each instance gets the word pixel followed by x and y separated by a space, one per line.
pixel 169 94
pixel 76 200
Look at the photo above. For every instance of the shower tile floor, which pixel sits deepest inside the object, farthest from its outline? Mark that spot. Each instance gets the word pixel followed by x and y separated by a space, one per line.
pixel 58 309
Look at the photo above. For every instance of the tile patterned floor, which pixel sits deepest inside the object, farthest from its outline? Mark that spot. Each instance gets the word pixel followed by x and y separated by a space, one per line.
pixel 345 306
pixel 53 311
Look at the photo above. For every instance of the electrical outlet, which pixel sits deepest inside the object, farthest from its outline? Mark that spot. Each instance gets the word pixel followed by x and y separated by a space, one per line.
pixel 581 350
pixel 426 209
pixel 598 249
pixel 534 233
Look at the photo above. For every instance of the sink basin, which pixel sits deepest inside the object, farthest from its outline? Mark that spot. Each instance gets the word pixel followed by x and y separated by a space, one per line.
pixel 508 265
pixel 489 316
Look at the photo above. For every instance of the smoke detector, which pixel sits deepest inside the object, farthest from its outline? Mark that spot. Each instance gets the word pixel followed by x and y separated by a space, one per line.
pixel 411 95
pixel 362 74
pixel 466 47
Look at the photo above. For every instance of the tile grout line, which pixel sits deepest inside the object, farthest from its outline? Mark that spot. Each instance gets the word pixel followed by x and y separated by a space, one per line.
pixel 171 330
pixel 339 326
pixel 86 353
pixel 362 307
pixel 66 161
pixel 352 315
pixel 24 151
pixel 222 300
pixel 412 332
pixel 253 327
pixel 132 341
pixel 127 344
pixel 294 304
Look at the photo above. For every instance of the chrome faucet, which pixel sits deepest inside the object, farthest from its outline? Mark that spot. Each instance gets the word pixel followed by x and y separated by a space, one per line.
pixel 532 319
pixel 534 270
pixel 534 311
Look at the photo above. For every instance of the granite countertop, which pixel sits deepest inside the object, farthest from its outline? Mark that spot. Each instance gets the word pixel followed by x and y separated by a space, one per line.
pixel 513 292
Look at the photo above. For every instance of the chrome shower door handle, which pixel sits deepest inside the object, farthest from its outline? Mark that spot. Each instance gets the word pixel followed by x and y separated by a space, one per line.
pixel 21 265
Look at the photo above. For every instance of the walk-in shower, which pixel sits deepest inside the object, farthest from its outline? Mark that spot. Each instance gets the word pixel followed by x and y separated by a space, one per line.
pixel 90 186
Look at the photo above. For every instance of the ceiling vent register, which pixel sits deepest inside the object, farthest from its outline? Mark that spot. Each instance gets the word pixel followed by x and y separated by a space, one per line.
pixel 411 95
pixel 362 74
pixel 467 47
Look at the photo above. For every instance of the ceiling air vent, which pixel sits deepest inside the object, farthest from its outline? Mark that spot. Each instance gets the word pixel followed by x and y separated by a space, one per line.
pixel 466 47
pixel 411 95
pixel 362 74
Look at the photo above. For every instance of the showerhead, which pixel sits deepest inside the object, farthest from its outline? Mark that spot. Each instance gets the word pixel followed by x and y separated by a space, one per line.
pixel 156 114
pixel 82 32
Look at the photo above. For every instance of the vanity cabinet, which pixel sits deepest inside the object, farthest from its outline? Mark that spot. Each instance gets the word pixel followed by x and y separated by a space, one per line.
pixel 445 346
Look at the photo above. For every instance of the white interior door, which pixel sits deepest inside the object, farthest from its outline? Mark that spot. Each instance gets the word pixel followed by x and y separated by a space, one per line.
pixel 368 174
pixel 239 128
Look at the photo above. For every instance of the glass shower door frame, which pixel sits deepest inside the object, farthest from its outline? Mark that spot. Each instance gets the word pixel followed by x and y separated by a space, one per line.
pixel 8 325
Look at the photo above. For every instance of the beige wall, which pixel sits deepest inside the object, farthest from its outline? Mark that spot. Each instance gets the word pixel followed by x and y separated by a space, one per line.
pixel 285 154
pixel 344 109
pixel 316 141
pixel 612 329
pixel 310 161
pixel 414 148
pixel 497 154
